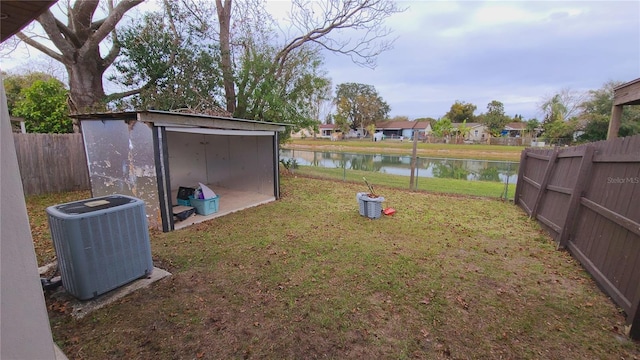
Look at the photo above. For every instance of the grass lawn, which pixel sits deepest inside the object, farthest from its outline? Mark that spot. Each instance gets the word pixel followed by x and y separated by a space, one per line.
pixel 307 277
pixel 459 151
pixel 436 185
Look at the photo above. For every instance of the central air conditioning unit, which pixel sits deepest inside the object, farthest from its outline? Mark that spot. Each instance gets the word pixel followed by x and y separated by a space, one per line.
pixel 101 243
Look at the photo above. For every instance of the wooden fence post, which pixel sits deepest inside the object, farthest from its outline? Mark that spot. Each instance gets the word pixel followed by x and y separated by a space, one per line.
pixel 520 184
pixel 634 333
pixel 544 183
pixel 578 192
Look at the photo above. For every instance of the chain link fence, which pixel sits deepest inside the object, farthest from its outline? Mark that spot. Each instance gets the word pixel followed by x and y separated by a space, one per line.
pixel 453 176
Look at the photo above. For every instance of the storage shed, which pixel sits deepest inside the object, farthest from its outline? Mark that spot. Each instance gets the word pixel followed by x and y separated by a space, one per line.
pixel 151 154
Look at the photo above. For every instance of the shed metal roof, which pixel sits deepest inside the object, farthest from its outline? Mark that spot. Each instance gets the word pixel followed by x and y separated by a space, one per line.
pixel 168 118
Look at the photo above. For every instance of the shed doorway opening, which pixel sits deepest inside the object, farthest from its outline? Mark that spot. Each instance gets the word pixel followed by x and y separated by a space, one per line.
pixel 237 165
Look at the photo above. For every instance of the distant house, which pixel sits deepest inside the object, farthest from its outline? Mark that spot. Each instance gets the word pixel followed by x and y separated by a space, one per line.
pixel 326 130
pixel 303 133
pixel 514 129
pixel 403 129
pixel 477 132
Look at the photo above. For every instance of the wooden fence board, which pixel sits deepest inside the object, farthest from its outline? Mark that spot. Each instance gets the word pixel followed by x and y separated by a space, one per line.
pixel 588 199
pixel 629 257
pixel 582 176
pixel 51 163
pixel 543 183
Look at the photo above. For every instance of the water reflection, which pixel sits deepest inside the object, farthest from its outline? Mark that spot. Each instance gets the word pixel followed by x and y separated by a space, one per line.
pixel 469 169
pixel 450 169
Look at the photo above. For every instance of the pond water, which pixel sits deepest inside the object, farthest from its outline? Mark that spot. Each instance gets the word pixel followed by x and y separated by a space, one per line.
pixel 469 169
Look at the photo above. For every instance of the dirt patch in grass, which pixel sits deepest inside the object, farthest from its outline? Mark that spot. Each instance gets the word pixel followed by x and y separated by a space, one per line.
pixel 307 277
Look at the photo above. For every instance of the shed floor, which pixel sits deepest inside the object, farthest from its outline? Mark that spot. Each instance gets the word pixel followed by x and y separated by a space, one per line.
pixel 230 201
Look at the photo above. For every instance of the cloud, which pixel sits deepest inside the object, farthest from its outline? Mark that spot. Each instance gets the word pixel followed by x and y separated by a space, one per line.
pixel 514 52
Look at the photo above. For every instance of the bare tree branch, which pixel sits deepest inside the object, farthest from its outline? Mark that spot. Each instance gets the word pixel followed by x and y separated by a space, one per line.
pixel 48 23
pixel 80 20
pixel 115 46
pixel 68 34
pixel 124 94
pixel 45 50
pixel 109 24
pixel 365 16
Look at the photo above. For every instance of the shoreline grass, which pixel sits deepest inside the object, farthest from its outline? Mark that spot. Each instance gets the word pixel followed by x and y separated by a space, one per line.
pixel 434 185
pixel 462 151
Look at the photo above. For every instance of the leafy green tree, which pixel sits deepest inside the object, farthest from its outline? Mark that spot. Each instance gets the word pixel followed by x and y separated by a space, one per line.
pixel 495 119
pixel 461 111
pixel 43 105
pixel 463 130
pixel 360 105
pixel 314 25
pixel 596 113
pixel 533 126
pixel 560 111
pixel 596 128
pixel 293 98
pixel 341 122
pixel 554 110
pixel 14 84
pixel 442 127
pixel 371 129
pixel 559 132
pixel 168 62
pixel 631 124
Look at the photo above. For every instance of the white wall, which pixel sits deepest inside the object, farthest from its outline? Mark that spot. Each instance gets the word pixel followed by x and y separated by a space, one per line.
pixel 231 161
pixel 24 323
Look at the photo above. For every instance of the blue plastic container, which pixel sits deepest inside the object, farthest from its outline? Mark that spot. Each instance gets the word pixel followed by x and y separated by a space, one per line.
pixel 205 206
pixel 184 202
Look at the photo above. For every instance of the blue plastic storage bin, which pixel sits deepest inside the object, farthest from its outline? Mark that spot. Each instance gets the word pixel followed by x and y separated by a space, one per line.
pixel 205 206
pixel 184 202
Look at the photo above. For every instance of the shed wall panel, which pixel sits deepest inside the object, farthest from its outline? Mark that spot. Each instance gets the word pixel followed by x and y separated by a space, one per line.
pixel 121 160
pixel 187 159
pixel 267 165
pixel 230 161
pixel 241 162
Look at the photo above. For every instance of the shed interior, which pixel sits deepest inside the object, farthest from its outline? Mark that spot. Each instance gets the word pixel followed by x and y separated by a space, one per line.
pixel 151 154
pixel 238 166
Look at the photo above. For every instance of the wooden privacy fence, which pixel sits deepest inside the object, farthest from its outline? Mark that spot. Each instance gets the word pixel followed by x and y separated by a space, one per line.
pixel 588 199
pixel 51 163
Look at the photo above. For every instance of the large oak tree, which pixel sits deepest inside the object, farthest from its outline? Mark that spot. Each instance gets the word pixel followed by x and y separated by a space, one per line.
pixel 360 105
pixel 77 43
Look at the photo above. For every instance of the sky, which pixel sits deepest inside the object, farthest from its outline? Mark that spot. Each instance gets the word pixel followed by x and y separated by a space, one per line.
pixel 516 52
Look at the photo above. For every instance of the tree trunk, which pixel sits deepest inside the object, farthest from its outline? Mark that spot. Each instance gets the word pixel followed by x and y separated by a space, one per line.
pixel 224 19
pixel 86 93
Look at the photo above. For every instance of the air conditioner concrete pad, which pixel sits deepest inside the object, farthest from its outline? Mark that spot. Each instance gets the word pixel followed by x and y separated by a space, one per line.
pixel 81 308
